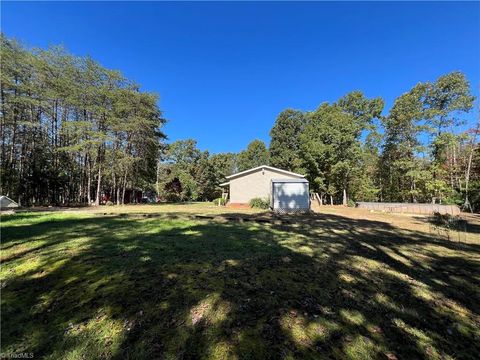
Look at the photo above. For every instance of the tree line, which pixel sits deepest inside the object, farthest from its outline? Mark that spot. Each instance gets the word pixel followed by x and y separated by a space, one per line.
pixel 351 151
pixel 73 131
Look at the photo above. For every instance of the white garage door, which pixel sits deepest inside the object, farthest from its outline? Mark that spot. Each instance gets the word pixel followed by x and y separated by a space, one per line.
pixel 290 196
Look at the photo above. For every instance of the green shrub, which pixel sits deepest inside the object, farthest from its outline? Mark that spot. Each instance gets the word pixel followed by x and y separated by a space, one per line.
pixel 351 203
pixel 220 201
pixel 109 203
pixel 260 203
pixel 452 201
pixel 451 224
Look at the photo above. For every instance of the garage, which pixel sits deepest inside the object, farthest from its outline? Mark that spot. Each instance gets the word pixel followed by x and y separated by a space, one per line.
pixel 290 195
pixel 253 183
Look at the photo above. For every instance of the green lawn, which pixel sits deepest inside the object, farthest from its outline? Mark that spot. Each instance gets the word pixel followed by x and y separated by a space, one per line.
pixel 85 286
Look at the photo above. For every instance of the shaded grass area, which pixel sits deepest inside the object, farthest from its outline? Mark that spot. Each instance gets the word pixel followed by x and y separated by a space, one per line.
pixel 80 286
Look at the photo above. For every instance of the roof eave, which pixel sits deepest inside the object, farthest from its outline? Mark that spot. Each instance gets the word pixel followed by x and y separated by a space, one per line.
pixel 264 167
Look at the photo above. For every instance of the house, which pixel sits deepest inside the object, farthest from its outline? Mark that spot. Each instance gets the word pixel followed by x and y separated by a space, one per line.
pixel 287 191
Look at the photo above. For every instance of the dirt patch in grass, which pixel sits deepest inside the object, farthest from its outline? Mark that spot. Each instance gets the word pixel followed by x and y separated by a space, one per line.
pixel 338 284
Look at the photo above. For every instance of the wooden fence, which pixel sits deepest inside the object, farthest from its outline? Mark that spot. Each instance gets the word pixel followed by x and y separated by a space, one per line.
pixel 410 208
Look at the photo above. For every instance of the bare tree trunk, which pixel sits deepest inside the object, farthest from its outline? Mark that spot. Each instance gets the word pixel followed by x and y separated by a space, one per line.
pixel 99 184
pixel 331 200
pixel 54 125
pixel 80 191
pixel 14 134
pixel 412 191
pixel 451 176
pixel 11 161
pixel 118 194
pixel 158 179
pixel 114 188
pixel 2 134
pixel 345 201
pixel 469 166
pixel 89 182
pixel 124 187
pixel 454 160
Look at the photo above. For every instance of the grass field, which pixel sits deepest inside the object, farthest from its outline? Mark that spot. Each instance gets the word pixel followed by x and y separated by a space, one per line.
pixel 204 208
pixel 342 284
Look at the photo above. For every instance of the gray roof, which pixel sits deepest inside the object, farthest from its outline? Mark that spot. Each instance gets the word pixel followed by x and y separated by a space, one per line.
pixel 7 203
pixel 261 168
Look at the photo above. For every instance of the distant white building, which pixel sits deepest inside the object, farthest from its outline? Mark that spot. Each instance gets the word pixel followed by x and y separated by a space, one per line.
pixel 287 191
pixel 6 203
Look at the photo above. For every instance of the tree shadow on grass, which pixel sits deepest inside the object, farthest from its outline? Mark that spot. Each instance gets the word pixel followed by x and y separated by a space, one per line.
pixel 323 286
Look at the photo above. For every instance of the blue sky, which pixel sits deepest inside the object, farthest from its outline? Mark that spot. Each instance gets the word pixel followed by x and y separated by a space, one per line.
pixel 225 70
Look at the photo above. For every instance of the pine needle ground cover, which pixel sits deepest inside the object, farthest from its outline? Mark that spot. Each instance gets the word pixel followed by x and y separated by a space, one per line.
pixel 85 286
